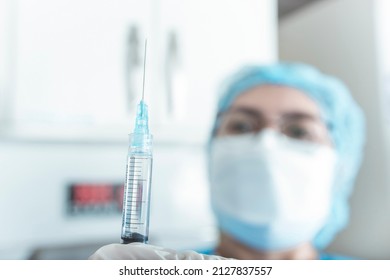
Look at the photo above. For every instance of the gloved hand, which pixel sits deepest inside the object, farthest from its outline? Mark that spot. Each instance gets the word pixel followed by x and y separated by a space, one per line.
pixel 140 251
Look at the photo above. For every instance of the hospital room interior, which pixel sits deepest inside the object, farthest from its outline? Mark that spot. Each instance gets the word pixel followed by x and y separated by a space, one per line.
pixel 72 74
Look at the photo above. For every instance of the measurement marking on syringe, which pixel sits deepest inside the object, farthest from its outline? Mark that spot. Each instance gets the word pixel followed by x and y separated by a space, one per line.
pixel 132 217
pixel 134 202
pixel 133 211
pixel 135 206
pixel 137 180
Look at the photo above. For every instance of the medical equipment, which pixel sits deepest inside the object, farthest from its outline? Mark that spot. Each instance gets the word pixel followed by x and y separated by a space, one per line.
pixel 136 200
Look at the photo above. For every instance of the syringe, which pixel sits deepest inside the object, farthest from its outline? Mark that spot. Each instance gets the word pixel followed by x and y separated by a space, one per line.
pixel 136 200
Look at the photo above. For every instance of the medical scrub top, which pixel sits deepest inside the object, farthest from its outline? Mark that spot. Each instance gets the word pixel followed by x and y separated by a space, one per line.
pixel 323 255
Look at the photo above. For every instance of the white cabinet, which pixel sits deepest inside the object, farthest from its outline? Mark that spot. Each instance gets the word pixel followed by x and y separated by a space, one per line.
pixel 70 64
pixel 201 42
pixel 77 65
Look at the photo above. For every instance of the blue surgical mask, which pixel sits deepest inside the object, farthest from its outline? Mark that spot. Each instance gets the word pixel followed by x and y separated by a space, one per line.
pixel 268 191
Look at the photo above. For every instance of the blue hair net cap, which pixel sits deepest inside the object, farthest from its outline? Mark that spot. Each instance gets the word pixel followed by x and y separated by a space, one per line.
pixel 342 115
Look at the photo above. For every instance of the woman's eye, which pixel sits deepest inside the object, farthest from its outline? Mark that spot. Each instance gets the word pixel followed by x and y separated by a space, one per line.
pixel 297 132
pixel 240 127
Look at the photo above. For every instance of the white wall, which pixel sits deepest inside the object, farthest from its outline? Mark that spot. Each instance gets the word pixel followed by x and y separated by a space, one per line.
pixel 339 37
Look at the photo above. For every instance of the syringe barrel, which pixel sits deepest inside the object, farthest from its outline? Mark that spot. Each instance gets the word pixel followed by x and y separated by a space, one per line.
pixel 136 200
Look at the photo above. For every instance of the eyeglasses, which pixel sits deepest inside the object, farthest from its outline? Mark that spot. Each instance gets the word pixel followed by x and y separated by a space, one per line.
pixel 296 125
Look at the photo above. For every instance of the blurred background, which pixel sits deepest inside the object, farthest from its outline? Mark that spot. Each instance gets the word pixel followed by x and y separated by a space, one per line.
pixel 70 79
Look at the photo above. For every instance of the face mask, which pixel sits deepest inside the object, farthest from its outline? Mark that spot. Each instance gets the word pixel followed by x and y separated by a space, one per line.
pixel 268 191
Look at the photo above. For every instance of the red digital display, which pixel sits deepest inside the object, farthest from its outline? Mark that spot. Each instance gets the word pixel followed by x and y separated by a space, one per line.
pixel 92 194
pixel 95 197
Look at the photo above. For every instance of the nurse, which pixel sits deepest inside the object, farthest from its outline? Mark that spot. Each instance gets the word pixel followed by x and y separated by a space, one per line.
pixel 284 152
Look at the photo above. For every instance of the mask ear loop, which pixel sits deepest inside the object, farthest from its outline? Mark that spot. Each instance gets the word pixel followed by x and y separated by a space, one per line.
pixel 213 133
pixel 328 124
pixel 216 126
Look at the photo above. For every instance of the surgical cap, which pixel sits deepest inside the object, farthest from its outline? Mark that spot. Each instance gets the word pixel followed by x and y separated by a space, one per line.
pixel 343 117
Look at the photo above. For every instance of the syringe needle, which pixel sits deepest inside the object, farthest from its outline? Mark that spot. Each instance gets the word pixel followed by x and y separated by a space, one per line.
pixel 143 81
